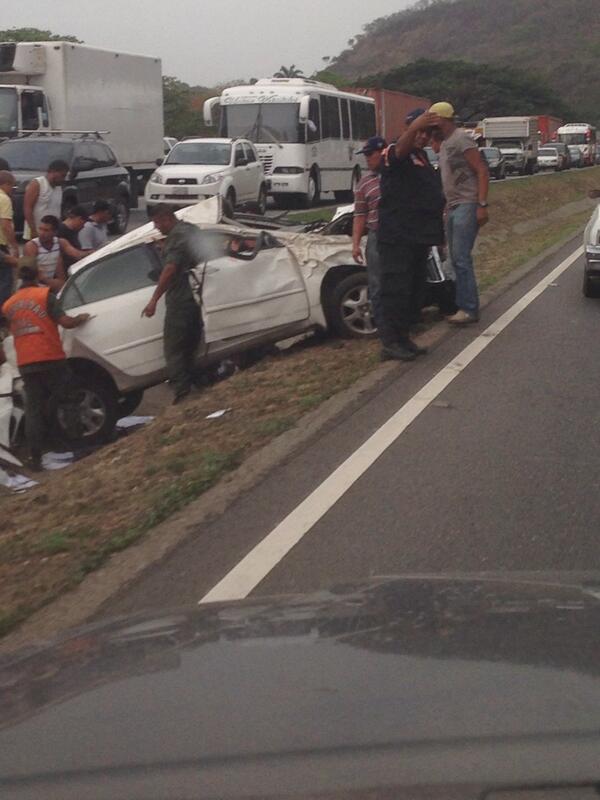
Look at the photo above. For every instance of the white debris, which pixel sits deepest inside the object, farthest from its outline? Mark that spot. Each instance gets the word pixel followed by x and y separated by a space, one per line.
pixel 131 422
pixel 219 414
pixel 57 460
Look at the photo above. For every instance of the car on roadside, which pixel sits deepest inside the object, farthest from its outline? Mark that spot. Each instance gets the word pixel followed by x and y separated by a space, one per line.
pixel 591 246
pixel 576 156
pixel 496 162
pixel 549 158
pixel 195 169
pixel 94 174
pixel 288 283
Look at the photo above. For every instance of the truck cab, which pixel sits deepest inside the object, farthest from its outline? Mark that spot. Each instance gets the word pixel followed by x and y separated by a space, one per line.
pixel 23 108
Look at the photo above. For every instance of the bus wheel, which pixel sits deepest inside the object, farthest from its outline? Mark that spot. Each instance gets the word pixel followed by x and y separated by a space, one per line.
pixel 311 198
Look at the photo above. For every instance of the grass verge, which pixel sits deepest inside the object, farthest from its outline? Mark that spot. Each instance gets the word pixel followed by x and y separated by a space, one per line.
pixel 53 536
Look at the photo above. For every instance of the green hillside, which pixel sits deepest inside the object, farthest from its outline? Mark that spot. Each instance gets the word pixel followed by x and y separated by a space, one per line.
pixel 557 40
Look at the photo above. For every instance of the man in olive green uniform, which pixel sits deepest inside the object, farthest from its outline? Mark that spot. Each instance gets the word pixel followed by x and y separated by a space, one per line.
pixel 182 250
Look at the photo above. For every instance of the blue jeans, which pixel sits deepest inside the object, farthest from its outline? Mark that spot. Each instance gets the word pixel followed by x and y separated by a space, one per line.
pixel 462 230
pixel 374 276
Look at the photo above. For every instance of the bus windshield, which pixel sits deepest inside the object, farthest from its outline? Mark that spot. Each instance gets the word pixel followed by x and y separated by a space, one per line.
pixel 8 111
pixel 573 138
pixel 262 123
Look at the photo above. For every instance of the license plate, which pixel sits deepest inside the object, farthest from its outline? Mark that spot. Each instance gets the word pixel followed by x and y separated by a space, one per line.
pixel 180 189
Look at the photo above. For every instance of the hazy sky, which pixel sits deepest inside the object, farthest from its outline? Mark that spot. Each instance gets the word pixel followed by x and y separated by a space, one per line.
pixel 208 41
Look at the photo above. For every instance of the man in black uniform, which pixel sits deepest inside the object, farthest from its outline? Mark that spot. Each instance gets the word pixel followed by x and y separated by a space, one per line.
pixel 182 250
pixel 410 222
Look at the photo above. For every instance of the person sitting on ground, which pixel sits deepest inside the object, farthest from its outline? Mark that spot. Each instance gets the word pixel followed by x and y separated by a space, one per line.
pixel 94 233
pixel 46 252
pixel 68 232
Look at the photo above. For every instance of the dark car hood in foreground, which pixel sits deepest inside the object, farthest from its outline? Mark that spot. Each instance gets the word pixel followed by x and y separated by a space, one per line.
pixel 393 683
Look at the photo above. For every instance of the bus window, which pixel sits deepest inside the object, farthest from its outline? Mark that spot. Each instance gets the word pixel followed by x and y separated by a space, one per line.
pixel 363 120
pixel 345 119
pixel 313 128
pixel 331 117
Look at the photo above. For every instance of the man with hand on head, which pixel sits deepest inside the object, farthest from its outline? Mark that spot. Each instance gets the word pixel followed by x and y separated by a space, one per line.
pixel 410 223
pixel 465 179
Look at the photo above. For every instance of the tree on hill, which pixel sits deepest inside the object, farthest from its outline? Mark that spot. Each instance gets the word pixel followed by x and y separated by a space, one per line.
pixel 475 90
pixel 34 35
pixel 289 72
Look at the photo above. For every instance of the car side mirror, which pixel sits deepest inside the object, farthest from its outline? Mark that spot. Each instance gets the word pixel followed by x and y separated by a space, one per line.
pixel 160 162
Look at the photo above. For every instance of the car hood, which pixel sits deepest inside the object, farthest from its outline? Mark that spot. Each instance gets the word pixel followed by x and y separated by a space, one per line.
pixel 302 691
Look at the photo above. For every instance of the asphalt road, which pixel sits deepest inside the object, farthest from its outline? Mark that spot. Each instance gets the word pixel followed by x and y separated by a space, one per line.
pixel 500 472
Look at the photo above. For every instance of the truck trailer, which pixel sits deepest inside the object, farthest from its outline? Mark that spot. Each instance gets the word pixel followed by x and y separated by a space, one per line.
pixel 65 87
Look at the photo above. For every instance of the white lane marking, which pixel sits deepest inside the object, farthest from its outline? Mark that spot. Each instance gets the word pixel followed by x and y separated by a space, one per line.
pixel 259 562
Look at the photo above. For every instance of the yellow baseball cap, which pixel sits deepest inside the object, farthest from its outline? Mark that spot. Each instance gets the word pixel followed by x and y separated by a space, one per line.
pixel 444 110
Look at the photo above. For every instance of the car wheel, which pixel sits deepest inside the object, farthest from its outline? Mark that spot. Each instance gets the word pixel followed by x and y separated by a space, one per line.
pixel 590 288
pixel 120 217
pixel 348 308
pixel 230 198
pixel 128 403
pixel 97 406
pixel 261 203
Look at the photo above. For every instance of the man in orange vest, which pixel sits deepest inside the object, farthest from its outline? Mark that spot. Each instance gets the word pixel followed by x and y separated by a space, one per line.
pixel 34 314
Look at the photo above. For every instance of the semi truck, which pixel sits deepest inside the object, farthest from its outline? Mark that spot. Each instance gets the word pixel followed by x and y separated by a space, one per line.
pixel 65 87
pixel 392 108
pixel 517 139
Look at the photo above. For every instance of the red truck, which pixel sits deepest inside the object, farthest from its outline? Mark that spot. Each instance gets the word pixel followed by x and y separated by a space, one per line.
pixel 391 109
pixel 547 128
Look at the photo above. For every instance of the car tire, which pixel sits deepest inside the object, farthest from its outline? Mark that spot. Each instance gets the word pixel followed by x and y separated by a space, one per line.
pixel 230 197
pixel 590 288
pixel 120 216
pixel 98 406
pixel 348 310
pixel 128 403
pixel 261 203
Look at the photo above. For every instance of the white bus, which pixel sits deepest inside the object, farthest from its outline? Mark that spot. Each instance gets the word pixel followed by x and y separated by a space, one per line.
pixel 306 134
pixel 582 135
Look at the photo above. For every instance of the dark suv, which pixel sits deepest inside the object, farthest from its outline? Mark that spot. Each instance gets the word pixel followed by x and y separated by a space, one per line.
pixel 95 173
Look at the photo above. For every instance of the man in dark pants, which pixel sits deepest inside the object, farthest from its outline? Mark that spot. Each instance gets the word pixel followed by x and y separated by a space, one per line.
pixel 34 314
pixel 182 250
pixel 410 222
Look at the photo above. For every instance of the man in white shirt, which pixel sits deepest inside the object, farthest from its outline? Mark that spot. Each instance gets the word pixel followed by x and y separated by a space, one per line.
pixel 94 233
pixel 43 197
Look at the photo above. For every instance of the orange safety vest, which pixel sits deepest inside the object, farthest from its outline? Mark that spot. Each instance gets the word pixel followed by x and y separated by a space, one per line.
pixel 34 331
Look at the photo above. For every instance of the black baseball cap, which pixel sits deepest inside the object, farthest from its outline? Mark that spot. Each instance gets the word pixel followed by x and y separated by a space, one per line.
pixel 373 145
pixel 415 114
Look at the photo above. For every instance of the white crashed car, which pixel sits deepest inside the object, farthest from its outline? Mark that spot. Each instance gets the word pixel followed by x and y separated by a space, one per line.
pixel 289 283
pixel 591 244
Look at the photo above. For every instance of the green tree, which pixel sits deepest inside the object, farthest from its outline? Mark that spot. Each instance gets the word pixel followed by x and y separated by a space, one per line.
pixel 289 72
pixel 475 90
pixel 180 117
pixel 34 35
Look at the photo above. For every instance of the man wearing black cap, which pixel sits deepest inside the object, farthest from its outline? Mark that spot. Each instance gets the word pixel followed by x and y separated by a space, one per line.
pixel 366 218
pixel 410 222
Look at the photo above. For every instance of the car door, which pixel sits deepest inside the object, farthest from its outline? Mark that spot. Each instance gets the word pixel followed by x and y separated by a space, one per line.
pixel 246 296
pixel 255 170
pixel 115 290
pixel 242 176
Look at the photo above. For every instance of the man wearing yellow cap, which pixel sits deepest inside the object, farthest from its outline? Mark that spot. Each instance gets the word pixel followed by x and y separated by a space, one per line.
pixel 465 180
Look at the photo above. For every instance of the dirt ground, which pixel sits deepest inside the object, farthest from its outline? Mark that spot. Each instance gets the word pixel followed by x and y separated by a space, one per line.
pixel 55 534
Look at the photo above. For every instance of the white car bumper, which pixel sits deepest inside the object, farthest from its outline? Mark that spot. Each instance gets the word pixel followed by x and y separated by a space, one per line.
pixel 179 196
pixel 282 183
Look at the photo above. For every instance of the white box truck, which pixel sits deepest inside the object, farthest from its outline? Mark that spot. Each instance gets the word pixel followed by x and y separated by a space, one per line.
pixel 517 138
pixel 62 86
